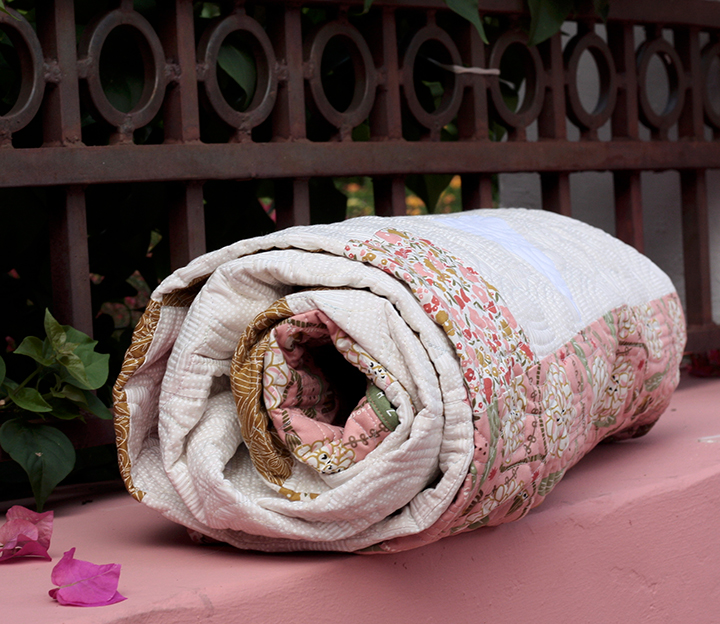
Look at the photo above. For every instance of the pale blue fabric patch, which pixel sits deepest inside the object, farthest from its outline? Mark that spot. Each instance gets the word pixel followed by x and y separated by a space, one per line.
pixel 500 232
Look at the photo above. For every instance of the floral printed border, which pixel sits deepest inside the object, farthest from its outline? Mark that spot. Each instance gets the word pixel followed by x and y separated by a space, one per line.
pixel 533 419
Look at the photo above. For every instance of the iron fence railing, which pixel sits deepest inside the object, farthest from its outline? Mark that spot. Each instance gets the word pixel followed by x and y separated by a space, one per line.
pixel 62 81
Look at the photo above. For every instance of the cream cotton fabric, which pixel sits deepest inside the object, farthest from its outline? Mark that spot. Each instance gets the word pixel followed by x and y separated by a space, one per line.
pixel 503 344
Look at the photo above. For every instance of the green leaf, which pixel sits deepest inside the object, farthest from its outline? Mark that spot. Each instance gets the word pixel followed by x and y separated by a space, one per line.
pixel 55 332
pixel 37 349
pixel 69 392
pixel 45 454
pixel 74 394
pixel 361 132
pixel 4 10
pixel 96 364
pixel 366 5
pixel 436 183
pixel 469 10
pixel 30 399
pixel 80 365
pixel 123 91
pixel 64 409
pixel 3 370
pixel 240 66
pixel 210 10
pixel 97 407
pixel 602 8
pixel 75 367
pixel 428 187
pixel 546 18
pixel 144 6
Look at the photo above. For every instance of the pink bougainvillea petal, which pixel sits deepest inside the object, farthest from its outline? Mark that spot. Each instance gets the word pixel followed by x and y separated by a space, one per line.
pixel 13 529
pixel 30 548
pixel 25 534
pixel 85 584
pixel 43 521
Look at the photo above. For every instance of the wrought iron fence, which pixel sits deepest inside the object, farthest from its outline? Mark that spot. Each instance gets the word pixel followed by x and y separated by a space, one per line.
pixel 269 138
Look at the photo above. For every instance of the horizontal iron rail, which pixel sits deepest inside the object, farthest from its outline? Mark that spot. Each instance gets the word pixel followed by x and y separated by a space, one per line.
pixel 697 13
pixel 52 166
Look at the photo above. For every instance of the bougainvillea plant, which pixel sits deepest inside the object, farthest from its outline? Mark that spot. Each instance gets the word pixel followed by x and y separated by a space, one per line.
pixel 67 370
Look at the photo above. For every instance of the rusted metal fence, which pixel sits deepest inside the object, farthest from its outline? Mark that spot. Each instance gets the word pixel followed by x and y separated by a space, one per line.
pixel 180 72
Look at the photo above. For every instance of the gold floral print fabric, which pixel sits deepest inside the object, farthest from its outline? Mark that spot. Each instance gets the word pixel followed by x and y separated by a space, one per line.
pixel 141 341
pixel 270 457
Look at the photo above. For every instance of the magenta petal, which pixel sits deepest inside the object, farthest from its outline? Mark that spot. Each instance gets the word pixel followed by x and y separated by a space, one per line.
pixel 24 547
pixel 10 531
pixel 19 538
pixel 43 521
pixel 85 584
pixel 63 600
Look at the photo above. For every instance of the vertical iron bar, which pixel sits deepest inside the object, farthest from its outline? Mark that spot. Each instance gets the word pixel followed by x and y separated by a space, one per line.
pixel 389 196
pixel 696 244
pixel 625 120
pixel 555 189
pixel 385 117
pixel 187 223
pixel 625 125
pixel 473 114
pixel 628 209
pixel 696 252
pixel 70 267
pixel 476 189
pixel 181 124
pixel 551 121
pixel 627 189
pixel 292 202
pixel 286 34
pixel 555 186
pixel 292 197
pixel 61 105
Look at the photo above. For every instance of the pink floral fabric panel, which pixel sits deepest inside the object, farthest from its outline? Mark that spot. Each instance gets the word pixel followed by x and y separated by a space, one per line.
pixel 533 418
pixel 301 401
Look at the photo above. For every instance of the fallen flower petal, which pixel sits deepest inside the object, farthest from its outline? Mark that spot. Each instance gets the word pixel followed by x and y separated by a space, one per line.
pixel 43 521
pixel 25 534
pixel 85 584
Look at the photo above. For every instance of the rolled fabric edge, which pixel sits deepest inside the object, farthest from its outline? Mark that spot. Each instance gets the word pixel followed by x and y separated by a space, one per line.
pixel 527 414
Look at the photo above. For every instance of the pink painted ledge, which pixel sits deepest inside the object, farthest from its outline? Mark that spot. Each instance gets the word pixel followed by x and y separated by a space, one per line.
pixel 631 535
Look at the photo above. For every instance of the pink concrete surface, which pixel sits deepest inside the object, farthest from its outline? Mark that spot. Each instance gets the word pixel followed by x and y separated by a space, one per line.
pixel 632 534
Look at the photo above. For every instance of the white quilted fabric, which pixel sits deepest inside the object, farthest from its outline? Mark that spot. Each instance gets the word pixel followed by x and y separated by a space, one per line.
pixel 555 275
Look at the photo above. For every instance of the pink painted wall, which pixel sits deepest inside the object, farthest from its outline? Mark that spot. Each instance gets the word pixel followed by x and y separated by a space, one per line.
pixel 629 536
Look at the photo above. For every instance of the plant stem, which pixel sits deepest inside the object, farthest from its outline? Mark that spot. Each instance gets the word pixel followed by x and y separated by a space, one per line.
pixel 11 396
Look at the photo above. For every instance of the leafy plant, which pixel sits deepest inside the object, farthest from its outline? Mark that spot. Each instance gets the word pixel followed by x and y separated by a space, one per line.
pixel 67 370
pixel 547 16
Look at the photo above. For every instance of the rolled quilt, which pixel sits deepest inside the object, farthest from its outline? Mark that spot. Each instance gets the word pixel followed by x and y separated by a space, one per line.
pixel 381 383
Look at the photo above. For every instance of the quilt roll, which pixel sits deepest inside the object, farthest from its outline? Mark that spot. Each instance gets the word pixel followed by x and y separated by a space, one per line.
pixel 381 383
